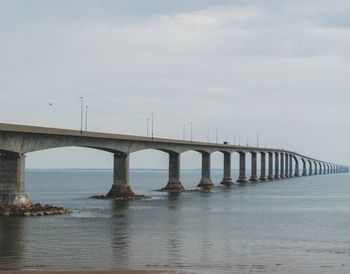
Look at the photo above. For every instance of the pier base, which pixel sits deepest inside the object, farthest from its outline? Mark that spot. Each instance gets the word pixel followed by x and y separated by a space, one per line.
pixel 254 179
pixel 174 186
pixel 14 199
pixel 242 180
pixel 205 183
pixel 227 182
pixel 120 191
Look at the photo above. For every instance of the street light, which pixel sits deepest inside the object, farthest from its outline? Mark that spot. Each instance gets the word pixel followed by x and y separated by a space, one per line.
pixel 184 132
pixel 81 113
pixel 152 115
pixel 147 126
pixel 86 118
pixel 208 133
pixel 191 131
pixel 216 135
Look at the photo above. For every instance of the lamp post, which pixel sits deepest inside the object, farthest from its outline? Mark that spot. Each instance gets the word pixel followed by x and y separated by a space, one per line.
pixel 216 135
pixel 184 132
pixel 147 127
pixel 81 113
pixel 152 116
pixel 191 124
pixel 208 133
pixel 86 118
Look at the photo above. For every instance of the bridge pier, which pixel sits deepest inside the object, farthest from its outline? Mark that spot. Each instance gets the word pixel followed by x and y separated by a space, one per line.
pixel 254 177
pixel 12 171
pixel 316 172
pixel 263 167
pixel 282 166
pixel 205 180
pixel 277 173
pixel 304 167
pixel 227 180
pixel 291 166
pixel 286 156
pixel 242 163
pixel 296 172
pixel 310 168
pixel 174 184
pixel 121 187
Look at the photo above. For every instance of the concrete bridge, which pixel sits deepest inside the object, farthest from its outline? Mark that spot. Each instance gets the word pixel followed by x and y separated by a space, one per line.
pixel 18 140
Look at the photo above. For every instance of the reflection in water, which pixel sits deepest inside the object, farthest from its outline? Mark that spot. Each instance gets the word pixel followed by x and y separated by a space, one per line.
pixel 174 225
pixel 11 242
pixel 120 232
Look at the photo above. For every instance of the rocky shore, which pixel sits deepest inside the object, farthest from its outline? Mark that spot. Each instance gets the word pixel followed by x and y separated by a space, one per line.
pixel 32 210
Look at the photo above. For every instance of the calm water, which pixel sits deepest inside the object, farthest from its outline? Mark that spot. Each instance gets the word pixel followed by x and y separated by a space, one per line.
pixel 288 226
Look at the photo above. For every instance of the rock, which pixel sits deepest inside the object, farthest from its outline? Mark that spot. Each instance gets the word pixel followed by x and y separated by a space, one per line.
pixel 32 210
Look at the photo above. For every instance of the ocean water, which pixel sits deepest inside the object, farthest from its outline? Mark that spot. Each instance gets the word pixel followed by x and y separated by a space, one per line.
pixel 297 225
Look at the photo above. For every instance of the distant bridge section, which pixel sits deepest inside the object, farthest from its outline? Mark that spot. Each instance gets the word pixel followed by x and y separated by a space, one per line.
pixel 18 140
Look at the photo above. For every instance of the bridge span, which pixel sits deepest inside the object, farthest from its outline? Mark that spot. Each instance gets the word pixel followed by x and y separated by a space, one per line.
pixel 18 140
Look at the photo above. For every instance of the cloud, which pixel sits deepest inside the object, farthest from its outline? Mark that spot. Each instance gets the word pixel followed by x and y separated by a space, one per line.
pixel 278 67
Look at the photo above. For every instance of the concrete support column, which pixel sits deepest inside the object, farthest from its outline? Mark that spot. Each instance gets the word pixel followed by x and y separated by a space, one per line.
pixel 242 166
pixel 304 167
pixel 328 169
pixel 316 172
pixel 271 176
pixel 310 168
pixel 254 177
pixel 282 166
pixel 286 173
pixel 174 183
pixel 277 162
pixel 291 166
pixel 263 166
pixel 121 187
pixel 205 180
pixel 296 173
pixel 12 173
pixel 227 180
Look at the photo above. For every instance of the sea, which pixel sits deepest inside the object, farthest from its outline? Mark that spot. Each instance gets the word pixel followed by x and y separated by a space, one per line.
pixel 295 225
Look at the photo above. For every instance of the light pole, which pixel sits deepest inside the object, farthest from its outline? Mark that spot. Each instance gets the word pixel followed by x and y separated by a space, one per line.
pixel 257 139
pixel 147 127
pixel 184 132
pixel 152 115
pixel 81 113
pixel 191 124
pixel 216 135
pixel 86 118
pixel 208 133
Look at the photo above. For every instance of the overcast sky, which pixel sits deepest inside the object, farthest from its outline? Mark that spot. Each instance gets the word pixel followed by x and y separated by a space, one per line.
pixel 280 68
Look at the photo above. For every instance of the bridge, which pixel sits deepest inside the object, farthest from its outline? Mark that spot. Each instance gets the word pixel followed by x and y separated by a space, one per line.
pixel 18 140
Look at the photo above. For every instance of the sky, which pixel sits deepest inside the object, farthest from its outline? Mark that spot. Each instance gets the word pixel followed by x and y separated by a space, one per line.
pixel 278 69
